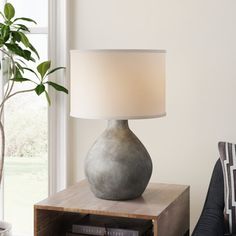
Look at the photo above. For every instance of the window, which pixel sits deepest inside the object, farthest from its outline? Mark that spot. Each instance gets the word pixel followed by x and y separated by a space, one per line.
pixel 37 142
pixel 26 125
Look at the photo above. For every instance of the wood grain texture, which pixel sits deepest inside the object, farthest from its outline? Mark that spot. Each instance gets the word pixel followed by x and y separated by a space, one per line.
pixel 50 223
pixel 167 205
pixel 177 215
pixel 79 198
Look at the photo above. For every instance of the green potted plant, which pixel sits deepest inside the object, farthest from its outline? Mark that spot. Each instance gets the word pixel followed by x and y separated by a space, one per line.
pixel 16 50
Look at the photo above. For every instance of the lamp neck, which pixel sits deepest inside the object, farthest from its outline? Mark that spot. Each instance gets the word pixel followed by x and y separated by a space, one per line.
pixel 118 124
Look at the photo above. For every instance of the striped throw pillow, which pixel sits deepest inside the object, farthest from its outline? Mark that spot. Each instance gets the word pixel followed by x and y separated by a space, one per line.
pixel 228 161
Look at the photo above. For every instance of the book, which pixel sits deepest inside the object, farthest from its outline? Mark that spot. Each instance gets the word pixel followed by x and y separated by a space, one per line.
pixel 74 234
pixel 111 226
pixel 148 233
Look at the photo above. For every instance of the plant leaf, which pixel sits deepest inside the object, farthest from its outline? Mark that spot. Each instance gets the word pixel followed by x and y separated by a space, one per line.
pixel 48 98
pixel 19 66
pixel 22 27
pixel 18 74
pixel 34 50
pixel 55 69
pixel 43 68
pixel 16 36
pixel 5 32
pixel 25 19
pixel 9 11
pixel 32 59
pixel 27 55
pixel 20 79
pixel 15 48
pixel 24 39
pixel 21 61
pixel 57 87
pixel 1 42
pixel 25 68
pixel 39 89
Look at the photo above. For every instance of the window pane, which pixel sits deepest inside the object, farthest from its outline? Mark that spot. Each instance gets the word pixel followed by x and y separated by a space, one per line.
pixel 37 10
pixel 26 171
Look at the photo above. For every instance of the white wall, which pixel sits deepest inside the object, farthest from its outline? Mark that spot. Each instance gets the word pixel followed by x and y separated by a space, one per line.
pixel 200 39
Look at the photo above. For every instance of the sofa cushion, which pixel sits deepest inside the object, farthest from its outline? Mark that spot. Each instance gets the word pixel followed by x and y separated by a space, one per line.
pixel 228 161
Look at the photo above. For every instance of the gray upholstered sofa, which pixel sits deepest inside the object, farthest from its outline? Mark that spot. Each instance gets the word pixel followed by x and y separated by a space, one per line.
pixel 211 221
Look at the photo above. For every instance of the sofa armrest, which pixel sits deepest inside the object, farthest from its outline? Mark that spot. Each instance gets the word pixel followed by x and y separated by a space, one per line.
pixel 211 221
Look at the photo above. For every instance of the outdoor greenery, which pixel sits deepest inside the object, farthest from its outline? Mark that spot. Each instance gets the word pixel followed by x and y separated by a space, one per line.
pixel 17 50
pixel 28 136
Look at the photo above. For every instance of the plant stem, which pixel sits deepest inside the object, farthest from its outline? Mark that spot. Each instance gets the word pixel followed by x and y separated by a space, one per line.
pixel 2 149
pixel 11 95
pixel 9 88
pixel 3 51
pixel 2 131
pixel 6 96
pixel 18 92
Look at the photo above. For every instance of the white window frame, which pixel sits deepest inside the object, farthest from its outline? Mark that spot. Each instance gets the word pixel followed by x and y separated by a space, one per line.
pixel 1 97
pixel 59 110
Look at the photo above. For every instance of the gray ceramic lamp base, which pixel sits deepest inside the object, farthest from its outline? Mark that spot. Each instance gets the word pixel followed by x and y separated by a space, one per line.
pixel 118 166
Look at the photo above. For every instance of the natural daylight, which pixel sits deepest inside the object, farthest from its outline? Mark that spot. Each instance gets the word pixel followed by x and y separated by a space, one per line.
pixel 26 171
pixel 117 117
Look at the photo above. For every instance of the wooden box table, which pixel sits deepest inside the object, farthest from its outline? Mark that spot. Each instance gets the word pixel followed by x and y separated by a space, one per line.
pixel 166 205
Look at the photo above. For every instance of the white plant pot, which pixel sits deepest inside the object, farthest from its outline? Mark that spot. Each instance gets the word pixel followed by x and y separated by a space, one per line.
pixel 5 229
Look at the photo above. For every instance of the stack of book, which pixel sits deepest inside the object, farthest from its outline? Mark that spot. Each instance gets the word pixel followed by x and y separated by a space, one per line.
pixel 111 226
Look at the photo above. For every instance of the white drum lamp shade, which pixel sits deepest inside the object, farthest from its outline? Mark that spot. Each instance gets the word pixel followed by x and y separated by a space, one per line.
pixel 117 84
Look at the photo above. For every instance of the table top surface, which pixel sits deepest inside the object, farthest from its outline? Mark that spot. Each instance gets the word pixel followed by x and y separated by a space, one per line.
pixel 79 198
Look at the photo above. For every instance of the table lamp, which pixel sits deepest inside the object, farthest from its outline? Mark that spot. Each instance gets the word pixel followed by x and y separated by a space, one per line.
pixel 118 85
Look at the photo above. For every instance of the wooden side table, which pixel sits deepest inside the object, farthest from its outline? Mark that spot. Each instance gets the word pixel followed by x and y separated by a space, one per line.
pixel 167 205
